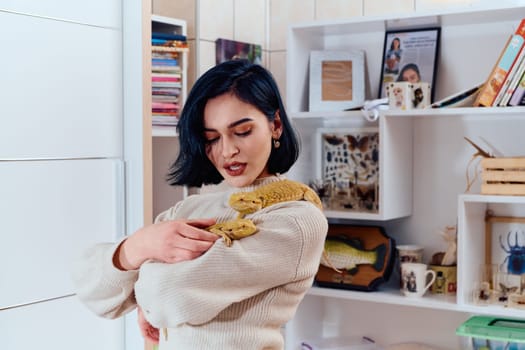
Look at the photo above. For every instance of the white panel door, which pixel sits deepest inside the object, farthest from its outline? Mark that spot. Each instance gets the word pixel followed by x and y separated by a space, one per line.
pixel 62 324
pixel 61 89
pixel 49 212
pixel 95 12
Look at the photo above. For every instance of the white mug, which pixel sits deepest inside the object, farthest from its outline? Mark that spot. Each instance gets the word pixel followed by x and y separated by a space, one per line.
pixel 414 279
pixel 409 253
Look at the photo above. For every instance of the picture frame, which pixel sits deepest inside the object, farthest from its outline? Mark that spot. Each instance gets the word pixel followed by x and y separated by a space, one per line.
pixel 337 80
pixel 226 50
pixel 505 242
pixel 348 161
pixel 410 55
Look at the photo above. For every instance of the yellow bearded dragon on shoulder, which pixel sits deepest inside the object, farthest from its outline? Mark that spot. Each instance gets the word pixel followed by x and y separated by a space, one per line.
pixel 264 196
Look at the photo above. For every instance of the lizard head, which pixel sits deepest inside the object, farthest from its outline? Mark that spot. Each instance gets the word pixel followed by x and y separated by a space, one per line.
pixel 245 202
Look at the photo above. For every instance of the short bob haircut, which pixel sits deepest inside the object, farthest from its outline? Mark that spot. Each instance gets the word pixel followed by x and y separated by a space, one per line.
pixel 250 83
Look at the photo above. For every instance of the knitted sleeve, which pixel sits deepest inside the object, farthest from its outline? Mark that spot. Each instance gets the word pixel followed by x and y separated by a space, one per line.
pixel 104 289
pixel 286 248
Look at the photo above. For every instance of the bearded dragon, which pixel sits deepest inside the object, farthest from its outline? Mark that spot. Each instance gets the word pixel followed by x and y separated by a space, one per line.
pixel 264 196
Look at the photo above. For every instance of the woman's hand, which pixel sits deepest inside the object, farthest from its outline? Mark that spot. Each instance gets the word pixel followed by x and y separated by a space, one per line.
pixel 167 241
pixel 146 329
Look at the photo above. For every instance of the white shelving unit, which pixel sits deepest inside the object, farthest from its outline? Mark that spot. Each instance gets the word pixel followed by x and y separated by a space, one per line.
pixel 423 167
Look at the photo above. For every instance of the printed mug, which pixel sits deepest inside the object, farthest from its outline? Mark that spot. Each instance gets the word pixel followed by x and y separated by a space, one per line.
pixel 414 279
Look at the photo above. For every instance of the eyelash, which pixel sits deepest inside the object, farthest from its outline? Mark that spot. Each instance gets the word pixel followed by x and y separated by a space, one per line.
pixel 241 134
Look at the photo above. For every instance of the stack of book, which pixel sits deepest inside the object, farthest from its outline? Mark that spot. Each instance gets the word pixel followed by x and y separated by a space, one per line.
pixel 505 85
pixel 166 77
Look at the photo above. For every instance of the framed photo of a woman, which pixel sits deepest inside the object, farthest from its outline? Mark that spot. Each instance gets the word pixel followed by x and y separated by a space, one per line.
pixel 410 55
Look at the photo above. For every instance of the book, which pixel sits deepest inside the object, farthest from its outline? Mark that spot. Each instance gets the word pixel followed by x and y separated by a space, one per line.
pixel 515 80
pixel 461 99
pixel 507 83
pixel 503 65
pixel 168 36
pixel 519 92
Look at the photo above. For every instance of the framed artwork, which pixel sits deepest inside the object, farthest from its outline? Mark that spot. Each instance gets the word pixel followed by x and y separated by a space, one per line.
pixel 348 160
pixel 505 243
pixel 410 55
pixel 365 274
pixel 337 80
pixel 226 50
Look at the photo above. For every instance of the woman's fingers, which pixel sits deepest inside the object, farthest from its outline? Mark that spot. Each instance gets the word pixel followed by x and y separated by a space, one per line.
pixel 146 329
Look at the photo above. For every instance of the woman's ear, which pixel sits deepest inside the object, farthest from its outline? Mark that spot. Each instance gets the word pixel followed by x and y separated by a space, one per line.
pixel 277 126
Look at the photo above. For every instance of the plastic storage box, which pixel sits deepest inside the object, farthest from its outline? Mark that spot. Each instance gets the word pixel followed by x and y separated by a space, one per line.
pixel 493 333
pixel 340 343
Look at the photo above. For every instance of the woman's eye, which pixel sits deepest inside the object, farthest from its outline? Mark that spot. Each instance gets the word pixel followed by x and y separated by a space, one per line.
pixel 210 141
pixel 243 133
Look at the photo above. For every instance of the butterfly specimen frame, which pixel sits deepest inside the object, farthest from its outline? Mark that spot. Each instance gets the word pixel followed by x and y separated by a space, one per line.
pixel 348 159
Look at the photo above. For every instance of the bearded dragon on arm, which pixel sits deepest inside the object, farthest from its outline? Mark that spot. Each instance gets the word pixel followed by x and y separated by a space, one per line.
pixel 264 196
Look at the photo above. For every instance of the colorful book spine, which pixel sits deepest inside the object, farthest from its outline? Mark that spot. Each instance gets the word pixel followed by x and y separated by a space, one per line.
pixel 509 80
pixel 519 93
pixel 514 82
pixel 503 65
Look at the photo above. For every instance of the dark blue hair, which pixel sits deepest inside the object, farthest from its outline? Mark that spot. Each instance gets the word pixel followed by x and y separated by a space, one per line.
pixel 250 83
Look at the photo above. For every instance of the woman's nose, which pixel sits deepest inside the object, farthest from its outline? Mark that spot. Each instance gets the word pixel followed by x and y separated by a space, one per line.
pixel 229 148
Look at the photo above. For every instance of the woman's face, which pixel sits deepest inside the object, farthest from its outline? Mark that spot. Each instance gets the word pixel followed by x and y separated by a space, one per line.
pixel 410 75
pixel 395 44
pixel 239 139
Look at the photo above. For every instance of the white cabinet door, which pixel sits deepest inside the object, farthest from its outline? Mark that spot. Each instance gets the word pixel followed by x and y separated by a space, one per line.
pixel 49 212
pixel 61 89
pixel 95 12
pixel 62 324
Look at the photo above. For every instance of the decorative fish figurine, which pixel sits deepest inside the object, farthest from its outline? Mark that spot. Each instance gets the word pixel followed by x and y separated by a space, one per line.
pixel 341 253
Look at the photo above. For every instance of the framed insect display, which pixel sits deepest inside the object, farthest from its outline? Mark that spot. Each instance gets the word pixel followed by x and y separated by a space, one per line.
pixel 505 251
pixel 348 159
pixel 505 237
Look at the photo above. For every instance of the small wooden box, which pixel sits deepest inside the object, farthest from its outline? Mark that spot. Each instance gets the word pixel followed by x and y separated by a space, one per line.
pixel 505 176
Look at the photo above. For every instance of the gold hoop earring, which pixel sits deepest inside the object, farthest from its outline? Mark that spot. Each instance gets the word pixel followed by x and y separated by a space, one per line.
pixel 276 143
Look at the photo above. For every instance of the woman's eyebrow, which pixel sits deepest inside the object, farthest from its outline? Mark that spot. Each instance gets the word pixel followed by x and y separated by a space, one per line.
pixel 234 124
pixel 240 121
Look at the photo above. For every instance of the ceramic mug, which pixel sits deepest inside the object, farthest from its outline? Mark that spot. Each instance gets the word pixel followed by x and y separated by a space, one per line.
pixel 414 279
pixel 409 253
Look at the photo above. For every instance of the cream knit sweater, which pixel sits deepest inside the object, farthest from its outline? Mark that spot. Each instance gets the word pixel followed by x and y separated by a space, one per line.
pixel 230 298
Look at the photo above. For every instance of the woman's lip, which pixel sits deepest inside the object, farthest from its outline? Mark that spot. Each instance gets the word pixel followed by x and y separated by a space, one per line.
pixel 235 169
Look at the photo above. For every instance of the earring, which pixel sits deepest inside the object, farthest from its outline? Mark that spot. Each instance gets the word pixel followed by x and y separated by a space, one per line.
pixel 276 143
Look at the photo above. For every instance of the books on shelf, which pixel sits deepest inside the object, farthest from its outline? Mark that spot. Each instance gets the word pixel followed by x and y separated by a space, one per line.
pixel 510 81
pixel 502 68
pixel 166 76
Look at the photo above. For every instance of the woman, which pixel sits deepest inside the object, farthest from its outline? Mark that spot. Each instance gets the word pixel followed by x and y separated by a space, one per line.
pixel 234 130
pixel 393 56
pixel 410 73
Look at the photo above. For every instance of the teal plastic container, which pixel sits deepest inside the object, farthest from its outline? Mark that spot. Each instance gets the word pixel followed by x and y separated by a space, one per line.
pixel 493 333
